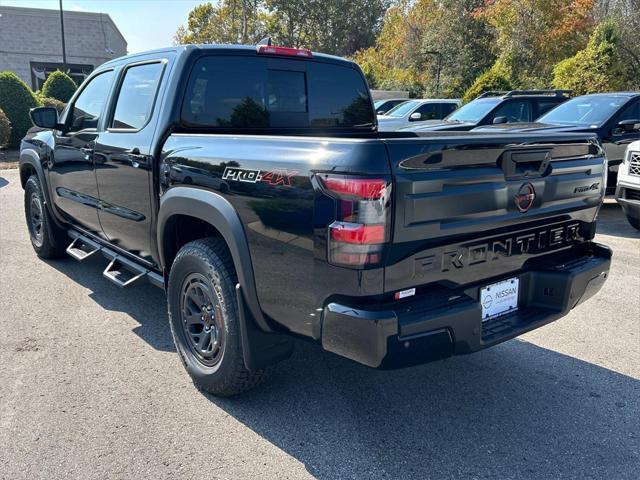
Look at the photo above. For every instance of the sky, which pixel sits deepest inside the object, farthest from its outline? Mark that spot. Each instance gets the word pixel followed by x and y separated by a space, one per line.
pixel 145 24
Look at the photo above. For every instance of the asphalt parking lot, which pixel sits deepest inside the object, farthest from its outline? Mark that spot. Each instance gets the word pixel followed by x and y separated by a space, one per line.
pixel 90 387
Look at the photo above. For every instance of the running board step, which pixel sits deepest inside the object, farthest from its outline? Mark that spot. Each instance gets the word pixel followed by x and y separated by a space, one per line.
pixel 124 273
pixel 82 248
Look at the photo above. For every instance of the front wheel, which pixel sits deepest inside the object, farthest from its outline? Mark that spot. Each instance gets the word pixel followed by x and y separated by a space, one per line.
pixel 203 315
pixel 47 238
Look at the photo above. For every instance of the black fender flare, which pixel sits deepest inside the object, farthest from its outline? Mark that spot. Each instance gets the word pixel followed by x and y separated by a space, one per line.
pixel 30 158
pixel 214 209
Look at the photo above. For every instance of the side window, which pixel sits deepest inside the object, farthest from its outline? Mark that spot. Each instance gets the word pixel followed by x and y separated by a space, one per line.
pixel 428 111
pixel 632 112
pixel 88 106
pixel 545 105
pixel 447 108
pixel 515 111
pixel 136 96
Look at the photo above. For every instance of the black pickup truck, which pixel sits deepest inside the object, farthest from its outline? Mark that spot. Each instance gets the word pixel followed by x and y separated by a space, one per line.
pixel 251 184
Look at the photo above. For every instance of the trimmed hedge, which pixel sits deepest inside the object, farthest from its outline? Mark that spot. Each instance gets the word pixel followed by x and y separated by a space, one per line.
pixel 16 99
pixel 5 129
pixel 58 86
pixel 52 102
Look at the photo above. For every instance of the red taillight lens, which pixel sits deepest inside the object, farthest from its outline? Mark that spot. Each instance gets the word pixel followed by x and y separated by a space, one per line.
pixel 356 233
pixel 361 229
pixel 362 188
pixel 291 52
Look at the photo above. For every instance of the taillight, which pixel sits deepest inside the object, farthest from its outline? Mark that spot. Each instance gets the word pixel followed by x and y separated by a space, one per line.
pixel 358 235
pixel 288 51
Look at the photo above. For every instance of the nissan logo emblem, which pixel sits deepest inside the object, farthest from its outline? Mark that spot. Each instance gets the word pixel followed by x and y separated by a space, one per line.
pixel 525 197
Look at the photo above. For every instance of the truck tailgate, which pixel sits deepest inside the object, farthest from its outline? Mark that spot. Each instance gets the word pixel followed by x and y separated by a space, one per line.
pixel 475 206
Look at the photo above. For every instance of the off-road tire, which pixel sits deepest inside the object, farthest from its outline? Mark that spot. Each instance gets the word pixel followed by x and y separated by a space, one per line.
pixel 209 259
pixel 48 240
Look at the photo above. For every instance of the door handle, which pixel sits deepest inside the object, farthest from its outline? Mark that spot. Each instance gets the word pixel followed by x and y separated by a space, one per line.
pixel 135 157
pixel 87 152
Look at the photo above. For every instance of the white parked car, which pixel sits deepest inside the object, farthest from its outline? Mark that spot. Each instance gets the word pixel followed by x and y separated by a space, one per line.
pixel 628 188
pixel 412 112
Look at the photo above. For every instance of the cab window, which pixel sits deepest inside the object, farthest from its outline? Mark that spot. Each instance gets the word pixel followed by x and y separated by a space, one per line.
pixel 515 111
pixel 136 96
pixel 89 106
pixel 427 111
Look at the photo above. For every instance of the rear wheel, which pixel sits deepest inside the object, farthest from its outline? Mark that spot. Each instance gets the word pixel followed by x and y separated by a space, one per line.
pixel 47 239
pixel 203 315
pixel 635 222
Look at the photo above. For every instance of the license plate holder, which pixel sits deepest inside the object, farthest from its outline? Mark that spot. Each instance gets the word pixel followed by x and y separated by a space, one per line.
pixel 499 298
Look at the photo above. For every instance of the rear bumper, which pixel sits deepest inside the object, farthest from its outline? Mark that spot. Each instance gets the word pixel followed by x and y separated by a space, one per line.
pixel 448 322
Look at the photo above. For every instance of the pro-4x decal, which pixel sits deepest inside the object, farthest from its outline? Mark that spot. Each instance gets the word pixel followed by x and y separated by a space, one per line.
pixel 241 175
pixel 279 176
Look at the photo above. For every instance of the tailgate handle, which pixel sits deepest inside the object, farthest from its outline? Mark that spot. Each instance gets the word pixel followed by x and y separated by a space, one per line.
pixel 526 163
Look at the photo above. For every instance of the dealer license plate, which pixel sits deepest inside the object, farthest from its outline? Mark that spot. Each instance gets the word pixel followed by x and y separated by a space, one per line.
pixel 499 298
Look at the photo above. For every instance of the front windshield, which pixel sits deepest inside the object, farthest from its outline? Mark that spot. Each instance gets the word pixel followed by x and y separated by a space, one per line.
pixel 377 103
pixel 473 111
pixel 402 109
pixel 584 111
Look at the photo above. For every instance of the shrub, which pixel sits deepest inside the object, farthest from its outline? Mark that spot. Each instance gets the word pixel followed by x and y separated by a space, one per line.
pixel 52 102
pixel 5 129
pixel 595 69
pixel 496 78
pixel 59 86
pixel 16 99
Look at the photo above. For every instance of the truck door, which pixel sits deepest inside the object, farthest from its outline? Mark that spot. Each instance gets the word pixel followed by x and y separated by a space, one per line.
pixel 71 169
pixel 123 159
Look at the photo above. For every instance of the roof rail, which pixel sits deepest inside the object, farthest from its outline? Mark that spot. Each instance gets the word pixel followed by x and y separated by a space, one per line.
pixel 515 93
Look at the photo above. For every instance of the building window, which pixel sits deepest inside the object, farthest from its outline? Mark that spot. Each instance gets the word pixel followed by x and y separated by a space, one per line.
pixel 41 70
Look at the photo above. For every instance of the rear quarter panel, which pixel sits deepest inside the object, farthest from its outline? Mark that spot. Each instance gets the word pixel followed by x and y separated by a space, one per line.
pixel 270 184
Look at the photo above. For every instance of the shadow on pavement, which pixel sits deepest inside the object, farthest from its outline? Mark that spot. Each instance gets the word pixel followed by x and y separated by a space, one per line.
pixel 612 221
pixel 145 304
pixel 515 411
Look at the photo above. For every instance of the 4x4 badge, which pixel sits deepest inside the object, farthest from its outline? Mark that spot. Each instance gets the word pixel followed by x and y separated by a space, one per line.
pixel 525 197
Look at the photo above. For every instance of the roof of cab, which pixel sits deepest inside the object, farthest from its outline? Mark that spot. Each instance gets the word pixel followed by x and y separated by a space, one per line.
pixel 240 49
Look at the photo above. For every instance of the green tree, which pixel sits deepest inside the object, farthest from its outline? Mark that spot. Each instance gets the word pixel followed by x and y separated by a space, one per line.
pixel 496 78
pixel 597 68
pixel 231 21
pixel 420 37
pixel 59 85
pixel 338 27
pixel 625 16
pixel 533 35
pixel 16 99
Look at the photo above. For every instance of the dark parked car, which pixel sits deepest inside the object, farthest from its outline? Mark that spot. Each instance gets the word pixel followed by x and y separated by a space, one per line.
pixel 388 249
pixel 497 108
pixel 613 117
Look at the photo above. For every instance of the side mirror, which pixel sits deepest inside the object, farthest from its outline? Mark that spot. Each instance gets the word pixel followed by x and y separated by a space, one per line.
pixel 44 117
pixel 415 116
pixel 380 112
pixel 629 125
pixel 499 120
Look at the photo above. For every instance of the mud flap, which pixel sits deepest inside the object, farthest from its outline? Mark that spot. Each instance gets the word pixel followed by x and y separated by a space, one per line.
pixel 260 349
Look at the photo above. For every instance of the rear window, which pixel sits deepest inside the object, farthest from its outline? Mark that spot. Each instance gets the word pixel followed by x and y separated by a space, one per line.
pixel 250 92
